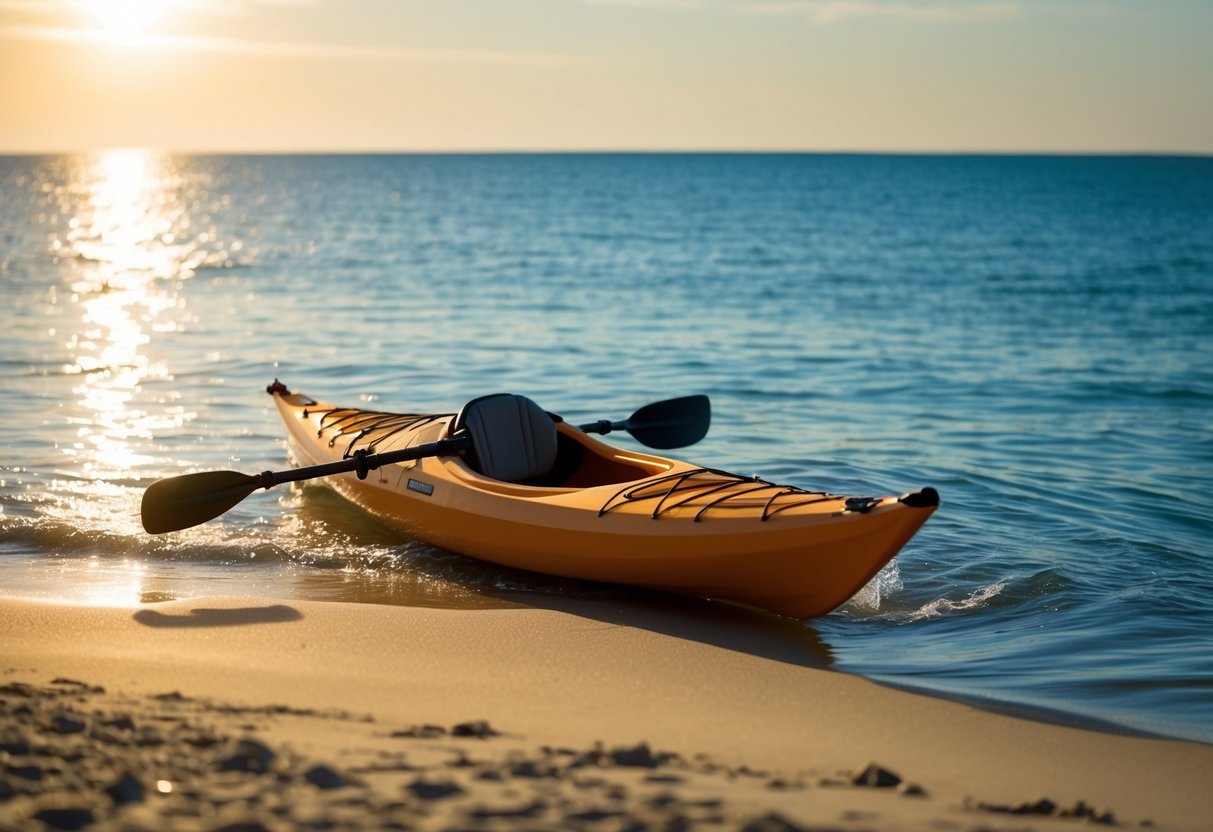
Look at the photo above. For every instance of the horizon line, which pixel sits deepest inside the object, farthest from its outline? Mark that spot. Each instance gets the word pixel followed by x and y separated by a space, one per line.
pixel 165 151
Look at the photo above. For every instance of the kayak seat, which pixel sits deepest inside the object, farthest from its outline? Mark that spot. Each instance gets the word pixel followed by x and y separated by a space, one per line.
pixel 513 439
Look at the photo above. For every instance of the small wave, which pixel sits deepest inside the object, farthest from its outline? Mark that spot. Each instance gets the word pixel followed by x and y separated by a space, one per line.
pixel 886 582
pixel 59 537
pixel 942 606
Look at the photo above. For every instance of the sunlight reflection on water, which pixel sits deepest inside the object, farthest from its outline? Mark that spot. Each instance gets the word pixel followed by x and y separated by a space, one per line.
pixel 125 276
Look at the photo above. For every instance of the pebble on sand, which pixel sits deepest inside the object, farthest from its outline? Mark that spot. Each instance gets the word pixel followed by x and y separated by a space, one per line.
pixel 876 776
pixel 324 777
pixel 66 818
pixel 434 789
pixel 126 789
pixel 477 728
pixel 249 755
pixel 420 732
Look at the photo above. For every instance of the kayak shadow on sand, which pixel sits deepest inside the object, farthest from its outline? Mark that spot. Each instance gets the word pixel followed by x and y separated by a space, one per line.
pixel 717 623
pixel 230 617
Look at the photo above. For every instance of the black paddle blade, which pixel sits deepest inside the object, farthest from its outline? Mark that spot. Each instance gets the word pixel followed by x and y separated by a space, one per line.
pixel 674 423
pixel 177 503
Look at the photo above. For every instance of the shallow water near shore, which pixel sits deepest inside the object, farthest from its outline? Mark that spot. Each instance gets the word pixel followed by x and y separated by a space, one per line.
pixel 1028 335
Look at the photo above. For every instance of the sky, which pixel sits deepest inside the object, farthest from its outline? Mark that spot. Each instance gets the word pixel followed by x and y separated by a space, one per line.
pixel 629 75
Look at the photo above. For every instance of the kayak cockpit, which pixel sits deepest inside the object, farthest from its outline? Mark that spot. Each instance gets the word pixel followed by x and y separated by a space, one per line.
pixel 583 462
pixel 580 462
pixel 512 440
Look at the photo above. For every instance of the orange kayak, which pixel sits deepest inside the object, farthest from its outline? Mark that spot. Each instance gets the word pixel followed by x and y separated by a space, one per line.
pixel 602 513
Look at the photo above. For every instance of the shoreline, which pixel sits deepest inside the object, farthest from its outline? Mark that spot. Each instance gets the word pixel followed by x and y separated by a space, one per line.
pixel 623 698
pixel 718 623
pixel 684 616
pixel 1030 712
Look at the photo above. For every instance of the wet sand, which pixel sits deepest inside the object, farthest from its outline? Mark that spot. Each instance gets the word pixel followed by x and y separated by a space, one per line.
pixel 246 713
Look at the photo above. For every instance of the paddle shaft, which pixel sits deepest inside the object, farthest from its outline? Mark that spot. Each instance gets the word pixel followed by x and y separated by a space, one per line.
pixel 605 426
pixel 602 426
pixel 363 462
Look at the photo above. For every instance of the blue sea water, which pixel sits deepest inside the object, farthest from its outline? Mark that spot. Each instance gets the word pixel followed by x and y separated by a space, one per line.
pixel 1030 335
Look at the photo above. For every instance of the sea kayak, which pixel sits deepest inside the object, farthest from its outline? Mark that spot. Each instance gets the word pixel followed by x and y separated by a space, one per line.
pixel 534 492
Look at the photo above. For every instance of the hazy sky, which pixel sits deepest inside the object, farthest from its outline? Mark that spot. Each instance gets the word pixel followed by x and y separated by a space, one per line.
pixel 282 75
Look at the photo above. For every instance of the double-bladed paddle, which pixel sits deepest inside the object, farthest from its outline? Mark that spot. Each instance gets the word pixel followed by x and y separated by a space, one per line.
pixel 177 503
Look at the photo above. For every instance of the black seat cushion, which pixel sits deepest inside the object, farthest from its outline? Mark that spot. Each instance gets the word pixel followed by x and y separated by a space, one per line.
pixel 513 439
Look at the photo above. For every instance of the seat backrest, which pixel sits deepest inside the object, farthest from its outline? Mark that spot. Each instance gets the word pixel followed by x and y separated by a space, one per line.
pixel 513 439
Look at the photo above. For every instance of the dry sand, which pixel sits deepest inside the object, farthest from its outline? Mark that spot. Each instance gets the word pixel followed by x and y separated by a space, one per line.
pixel 256 714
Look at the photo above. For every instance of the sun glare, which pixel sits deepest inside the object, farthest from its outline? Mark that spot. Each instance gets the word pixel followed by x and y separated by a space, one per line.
pixel 118 239
pixel 125 17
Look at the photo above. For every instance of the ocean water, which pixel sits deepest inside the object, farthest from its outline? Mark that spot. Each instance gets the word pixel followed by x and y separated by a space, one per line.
pixel 1031 336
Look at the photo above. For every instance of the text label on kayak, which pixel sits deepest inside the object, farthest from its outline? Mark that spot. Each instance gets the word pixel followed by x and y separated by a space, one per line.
pixel 421 487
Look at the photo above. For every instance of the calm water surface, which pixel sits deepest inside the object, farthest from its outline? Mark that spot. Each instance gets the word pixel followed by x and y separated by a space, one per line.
pixel 1029 335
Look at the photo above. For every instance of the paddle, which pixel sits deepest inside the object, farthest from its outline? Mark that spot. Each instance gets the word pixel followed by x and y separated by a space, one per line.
pixel 673 423
pixel 177 503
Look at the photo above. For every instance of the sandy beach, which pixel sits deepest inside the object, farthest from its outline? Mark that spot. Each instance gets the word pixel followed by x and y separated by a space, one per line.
pixel 249 713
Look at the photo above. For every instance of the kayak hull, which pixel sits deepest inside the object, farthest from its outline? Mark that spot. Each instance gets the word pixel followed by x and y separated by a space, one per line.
pixel 616 515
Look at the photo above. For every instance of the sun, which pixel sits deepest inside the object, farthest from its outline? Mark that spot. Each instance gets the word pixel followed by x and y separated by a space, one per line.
pixel 125 17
